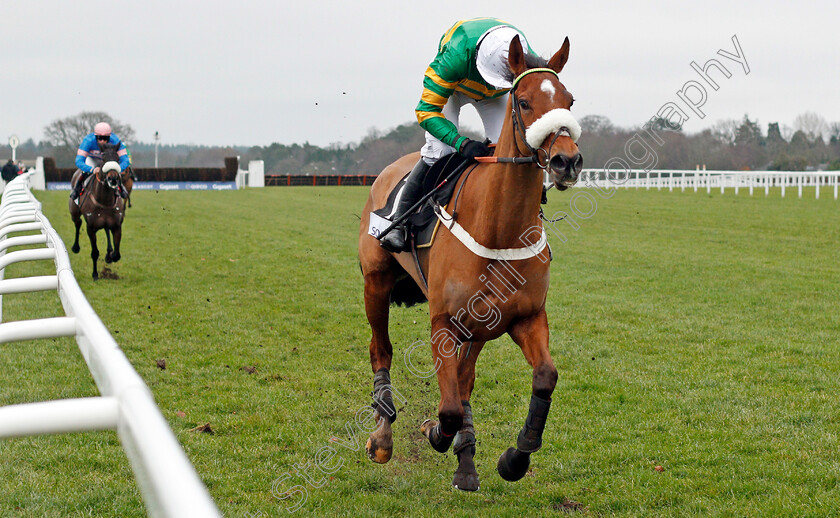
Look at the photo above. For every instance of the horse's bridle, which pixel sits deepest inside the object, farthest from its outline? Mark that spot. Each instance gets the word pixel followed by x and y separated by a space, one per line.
pixel 539 155
pixel 105 181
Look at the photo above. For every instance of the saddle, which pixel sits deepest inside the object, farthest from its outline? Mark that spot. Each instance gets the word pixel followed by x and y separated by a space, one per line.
pixel 423 224
pixel 85 183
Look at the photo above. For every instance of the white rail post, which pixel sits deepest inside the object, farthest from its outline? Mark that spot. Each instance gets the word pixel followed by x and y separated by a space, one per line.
pixel 168 483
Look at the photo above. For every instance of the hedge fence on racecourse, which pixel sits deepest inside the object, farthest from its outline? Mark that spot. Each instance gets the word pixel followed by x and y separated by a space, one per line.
pixel 161 174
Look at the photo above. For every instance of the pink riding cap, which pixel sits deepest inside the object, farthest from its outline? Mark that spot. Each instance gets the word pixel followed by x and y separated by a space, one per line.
pixel 102 128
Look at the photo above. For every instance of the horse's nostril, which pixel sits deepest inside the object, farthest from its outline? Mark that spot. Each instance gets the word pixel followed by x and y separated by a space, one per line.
pixel 578 163
pixel 559 163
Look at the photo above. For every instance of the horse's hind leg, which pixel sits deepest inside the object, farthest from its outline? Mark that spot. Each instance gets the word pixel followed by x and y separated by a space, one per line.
pixel 531 334
pixel 378 286
pixel 466 476
pixel 445 341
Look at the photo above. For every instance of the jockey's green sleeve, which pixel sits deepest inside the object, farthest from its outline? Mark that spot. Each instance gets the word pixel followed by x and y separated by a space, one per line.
pixel 454 70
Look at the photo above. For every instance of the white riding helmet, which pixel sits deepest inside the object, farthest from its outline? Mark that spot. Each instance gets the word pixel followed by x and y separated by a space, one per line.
pixel 492 54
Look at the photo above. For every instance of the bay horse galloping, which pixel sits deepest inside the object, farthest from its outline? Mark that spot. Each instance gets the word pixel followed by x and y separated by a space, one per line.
pixel 478 279
pixel 127 179
pixel 101 206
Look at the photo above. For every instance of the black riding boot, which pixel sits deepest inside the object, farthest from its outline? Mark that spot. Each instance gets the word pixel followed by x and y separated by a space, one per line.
pixel 77 190
pixel 397 239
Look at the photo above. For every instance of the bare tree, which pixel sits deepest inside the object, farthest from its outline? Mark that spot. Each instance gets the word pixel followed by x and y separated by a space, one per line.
pixel 596 124
pixel 726 130
pixel 787 132
pixel 812 124
pixel 68 132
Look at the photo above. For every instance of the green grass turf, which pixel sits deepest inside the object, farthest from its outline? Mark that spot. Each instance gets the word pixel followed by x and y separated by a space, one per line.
pixel 694 332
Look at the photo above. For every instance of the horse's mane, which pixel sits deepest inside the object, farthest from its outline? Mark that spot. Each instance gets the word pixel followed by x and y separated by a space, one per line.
pixel 110 152
pixel 532 61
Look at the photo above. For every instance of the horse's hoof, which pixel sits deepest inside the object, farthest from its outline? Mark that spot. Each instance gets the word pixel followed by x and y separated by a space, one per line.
pixel 75 249
pixel 108 258
pixel 440 443
pixel 465 481
pixel 115 257
pixel 513 464
pixel 95 276
pixel 426 426
pixel 379 450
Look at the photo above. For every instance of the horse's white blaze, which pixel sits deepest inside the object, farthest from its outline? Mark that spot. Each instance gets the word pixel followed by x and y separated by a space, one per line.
pixel 548 88
pixel 549 123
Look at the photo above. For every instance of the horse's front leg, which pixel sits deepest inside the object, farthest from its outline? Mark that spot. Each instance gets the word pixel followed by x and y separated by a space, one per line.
pixel 110 248
pixel 115 253
pixel 466 476
pixel 77 221
pixel 445 342
pixel 94 251
pixel 531 334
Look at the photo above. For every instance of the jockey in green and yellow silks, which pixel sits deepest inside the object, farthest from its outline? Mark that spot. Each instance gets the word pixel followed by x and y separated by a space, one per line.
pixel 471 61
pixel 470 68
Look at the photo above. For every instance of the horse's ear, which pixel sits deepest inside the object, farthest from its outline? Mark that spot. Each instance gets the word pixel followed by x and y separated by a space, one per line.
pixel 516 58
pixel 558 60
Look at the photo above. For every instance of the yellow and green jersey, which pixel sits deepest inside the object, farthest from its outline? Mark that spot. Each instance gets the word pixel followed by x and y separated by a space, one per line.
pixel 454 70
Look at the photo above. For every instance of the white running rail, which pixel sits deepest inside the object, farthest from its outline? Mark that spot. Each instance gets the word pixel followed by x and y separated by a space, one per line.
pixel 168 482
pixel 828 181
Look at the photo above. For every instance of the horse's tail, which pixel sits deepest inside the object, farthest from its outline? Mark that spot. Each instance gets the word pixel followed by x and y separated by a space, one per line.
pixel 406 292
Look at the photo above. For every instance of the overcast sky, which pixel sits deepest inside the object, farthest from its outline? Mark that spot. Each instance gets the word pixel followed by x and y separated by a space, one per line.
pixel 242 72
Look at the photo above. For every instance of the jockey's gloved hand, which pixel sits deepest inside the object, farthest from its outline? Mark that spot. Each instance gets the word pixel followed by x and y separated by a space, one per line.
pixel 473 148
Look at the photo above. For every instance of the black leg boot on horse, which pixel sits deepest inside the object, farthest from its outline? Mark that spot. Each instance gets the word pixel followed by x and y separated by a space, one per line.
pixel 514 463
pixel 397 239
pixel 466 476
pixel 380 445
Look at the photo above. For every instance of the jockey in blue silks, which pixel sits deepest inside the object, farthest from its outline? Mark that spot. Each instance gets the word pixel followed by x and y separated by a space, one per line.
pixel 89 150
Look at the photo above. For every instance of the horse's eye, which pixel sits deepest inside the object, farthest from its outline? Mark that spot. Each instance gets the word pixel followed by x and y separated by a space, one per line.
pixel 524 104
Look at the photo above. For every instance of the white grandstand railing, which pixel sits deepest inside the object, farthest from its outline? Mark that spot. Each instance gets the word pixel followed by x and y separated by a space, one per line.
pixel 708 180
pixel 168 482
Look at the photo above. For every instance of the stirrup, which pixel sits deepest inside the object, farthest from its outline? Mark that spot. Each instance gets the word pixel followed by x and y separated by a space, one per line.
pixel 384 243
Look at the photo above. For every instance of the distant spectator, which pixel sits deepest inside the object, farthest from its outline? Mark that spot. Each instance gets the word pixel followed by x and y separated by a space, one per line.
pixel 10 171
pixel 21 167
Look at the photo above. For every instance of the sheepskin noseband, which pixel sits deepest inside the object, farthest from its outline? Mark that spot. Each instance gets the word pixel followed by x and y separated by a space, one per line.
pixel 550 122
pixel 114 166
